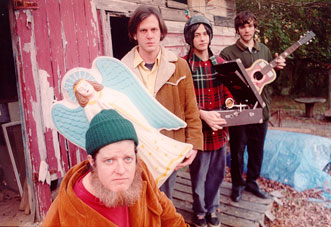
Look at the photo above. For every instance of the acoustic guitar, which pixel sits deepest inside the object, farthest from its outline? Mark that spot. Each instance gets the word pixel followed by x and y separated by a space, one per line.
pixel 262 73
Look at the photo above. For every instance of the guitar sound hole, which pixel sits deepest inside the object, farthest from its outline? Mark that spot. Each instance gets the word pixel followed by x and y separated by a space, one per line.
pixel 258 75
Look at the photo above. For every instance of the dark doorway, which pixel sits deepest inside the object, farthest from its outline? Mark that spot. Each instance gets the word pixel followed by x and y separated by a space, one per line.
pixel 119 35
pixel 8 91
pixel 12 161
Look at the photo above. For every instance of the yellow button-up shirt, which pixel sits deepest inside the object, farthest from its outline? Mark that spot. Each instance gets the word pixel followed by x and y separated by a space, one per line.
pixel 148 76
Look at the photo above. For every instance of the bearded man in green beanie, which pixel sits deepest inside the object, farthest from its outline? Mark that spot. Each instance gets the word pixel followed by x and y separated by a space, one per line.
pixel 112 187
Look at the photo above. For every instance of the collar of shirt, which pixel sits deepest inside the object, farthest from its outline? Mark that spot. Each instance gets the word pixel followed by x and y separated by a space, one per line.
pixel 243 47
pixel 139 61
pixel 212 57
pixel 195 62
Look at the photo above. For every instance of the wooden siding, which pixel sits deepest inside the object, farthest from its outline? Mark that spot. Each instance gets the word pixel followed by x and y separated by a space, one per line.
pixel 250 211
pixel 47 42
pixel 174 15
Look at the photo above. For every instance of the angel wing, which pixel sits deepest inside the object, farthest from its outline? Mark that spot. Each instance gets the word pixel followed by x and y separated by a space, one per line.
pixel 70 119
pixel 117 76
pixel 70 122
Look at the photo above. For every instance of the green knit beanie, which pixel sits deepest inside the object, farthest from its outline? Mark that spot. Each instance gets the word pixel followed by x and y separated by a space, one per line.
pixel 108 127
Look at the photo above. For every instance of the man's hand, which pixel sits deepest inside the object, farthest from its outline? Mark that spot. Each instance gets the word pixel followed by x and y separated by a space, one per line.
pixel 188 159
pixel 280 62
pixel 213 119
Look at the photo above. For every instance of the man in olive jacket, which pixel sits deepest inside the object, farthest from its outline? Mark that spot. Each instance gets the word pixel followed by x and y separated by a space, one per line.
pixel 112 187
pixel 248 50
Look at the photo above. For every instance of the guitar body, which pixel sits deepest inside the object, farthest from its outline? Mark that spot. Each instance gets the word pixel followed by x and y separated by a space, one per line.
pixel 258 77
pixel 262 73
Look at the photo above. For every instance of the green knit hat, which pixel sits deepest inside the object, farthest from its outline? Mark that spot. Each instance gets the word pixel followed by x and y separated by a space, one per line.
pixel 108 127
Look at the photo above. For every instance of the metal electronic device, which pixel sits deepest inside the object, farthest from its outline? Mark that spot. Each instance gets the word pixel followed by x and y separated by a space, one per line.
pixel 247 105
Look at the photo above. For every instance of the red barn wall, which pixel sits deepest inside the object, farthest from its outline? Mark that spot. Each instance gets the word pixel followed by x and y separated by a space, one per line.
pixel 47 42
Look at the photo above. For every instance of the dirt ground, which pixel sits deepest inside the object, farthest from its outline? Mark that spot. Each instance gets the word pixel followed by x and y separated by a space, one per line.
pixel 10 215
pixel 293 209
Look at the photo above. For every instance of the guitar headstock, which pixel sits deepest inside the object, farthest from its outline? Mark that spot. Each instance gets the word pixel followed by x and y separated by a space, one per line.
pixel 306 37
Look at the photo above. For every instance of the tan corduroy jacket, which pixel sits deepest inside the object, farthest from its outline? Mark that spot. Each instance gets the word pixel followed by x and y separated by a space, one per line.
pixel 153 208
pixel 174 89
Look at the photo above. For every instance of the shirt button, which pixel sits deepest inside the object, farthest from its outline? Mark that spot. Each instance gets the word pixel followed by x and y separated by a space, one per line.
pixel 209 90
pixel 210 103
pixel 213 133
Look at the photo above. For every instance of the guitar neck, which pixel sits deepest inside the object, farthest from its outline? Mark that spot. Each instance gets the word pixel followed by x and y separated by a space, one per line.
pixel 286 53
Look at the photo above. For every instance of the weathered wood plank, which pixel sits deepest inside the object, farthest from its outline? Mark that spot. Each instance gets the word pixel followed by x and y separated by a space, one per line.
pixel 179 51
pixel 116 6
pixel 173 14
pixel 92 30
pixel 223 21
pixel 175 26
pixel 107 45
pixel 183 178
pixel 176 5
pixel 224 31
pixel 81 33
pixel 57 69
pixel 247 202
pixel 236 222
pixel 29 97
pixel 154 2
pixel 241 213
pixel 249 211
pixel 223 40
pixel 174 39
pixel 260 208
pixel 185 209
pixel 182 195
pixel 70 53
pixel 47 82
pixel 183 205
pixel 175 43
pixel 216 7
pixel 86 36
pixel 184 184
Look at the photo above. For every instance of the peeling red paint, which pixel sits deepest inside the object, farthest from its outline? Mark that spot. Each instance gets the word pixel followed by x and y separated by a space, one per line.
pixel 55 38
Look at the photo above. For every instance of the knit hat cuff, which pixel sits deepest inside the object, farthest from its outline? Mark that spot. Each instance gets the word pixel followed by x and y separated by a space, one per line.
pixel 108 127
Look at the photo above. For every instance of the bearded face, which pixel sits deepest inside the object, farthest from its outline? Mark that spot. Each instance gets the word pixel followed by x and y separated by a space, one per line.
pixel 115 177
pixel 121 198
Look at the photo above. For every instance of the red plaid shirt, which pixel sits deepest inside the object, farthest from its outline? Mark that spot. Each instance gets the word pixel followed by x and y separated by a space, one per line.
pixel 211 95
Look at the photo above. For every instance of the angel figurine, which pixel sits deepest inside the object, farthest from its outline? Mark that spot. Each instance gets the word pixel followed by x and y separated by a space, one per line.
pixel 111 85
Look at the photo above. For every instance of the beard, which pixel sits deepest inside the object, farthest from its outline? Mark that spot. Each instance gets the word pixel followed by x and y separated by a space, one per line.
pixel 117 199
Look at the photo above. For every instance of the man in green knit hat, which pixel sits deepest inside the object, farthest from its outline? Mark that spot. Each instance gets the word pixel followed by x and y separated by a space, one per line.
pixel 112 187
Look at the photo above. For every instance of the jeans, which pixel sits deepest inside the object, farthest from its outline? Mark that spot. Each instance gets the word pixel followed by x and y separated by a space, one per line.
pixel 168 186
pixel 253 137
pixel 207 173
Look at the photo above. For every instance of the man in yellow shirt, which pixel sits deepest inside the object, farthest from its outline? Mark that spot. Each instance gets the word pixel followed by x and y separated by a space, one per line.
pixel 167 78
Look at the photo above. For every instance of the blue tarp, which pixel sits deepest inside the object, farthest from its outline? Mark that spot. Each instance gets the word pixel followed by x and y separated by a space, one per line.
pixel 297 159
